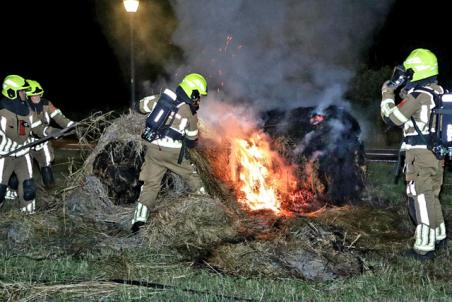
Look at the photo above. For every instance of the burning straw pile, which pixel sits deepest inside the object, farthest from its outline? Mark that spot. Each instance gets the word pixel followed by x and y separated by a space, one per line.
pixel 241 228
pixel 258 219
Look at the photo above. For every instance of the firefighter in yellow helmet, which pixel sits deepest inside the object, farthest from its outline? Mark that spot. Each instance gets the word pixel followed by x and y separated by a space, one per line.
pixel 417 79
pixel 170 126
pixel 44 111
pixel 16 126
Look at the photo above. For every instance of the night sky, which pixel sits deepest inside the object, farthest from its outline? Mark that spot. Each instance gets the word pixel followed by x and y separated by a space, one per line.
pixel 63 45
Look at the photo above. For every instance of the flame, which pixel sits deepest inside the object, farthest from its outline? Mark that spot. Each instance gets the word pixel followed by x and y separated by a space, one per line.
pixel 261 175
pixel 243 156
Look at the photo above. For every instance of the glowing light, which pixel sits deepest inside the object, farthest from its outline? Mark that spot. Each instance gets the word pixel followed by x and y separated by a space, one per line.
pixel 131 5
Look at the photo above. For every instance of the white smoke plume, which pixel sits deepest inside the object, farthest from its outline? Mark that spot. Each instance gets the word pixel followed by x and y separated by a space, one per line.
pixel 276 52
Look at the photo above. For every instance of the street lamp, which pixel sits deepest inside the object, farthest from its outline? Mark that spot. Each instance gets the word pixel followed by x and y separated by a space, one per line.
pixel 131 7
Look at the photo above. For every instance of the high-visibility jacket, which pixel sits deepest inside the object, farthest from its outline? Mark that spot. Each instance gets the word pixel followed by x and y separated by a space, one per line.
pixel 417 104
pixel 16 126
pixel 45 111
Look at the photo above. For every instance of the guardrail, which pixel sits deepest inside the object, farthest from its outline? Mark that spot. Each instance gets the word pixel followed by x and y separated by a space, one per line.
pixel 382 155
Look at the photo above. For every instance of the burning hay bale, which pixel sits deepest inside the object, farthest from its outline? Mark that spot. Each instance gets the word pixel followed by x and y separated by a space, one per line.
pixel 325 145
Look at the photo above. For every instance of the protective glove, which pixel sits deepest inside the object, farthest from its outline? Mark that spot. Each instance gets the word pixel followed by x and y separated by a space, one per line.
pixel 388 87
pixel 400 76
pixel 55 132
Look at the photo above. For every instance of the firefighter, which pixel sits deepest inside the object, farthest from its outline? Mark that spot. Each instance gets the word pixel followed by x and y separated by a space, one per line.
pixel 16 123
pixel 417 79
pixel 164 151
pixel 44 111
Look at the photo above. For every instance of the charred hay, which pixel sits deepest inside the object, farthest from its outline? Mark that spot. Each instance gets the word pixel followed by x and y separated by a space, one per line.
pixel 203 229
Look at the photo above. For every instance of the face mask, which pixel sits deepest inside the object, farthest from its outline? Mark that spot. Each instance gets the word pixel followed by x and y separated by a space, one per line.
pixel 400 76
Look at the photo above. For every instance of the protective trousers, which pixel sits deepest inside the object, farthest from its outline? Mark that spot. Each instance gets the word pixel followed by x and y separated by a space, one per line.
pixel 424 176
pixel 157 161
pixel 23 168
pixel 44 155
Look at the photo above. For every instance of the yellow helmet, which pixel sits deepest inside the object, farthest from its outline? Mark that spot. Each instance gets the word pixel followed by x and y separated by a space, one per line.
pixel 12 84
pixel 423 62
pixel 194 85
pixel 35 88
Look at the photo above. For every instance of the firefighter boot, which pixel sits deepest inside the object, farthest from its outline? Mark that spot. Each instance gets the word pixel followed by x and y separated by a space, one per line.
pixel 201 191
pixel 10 194
pixel 47 177
pixel 13 185
pixel 425 239
pixel 29 208
pixel 440 233
pixel 139 217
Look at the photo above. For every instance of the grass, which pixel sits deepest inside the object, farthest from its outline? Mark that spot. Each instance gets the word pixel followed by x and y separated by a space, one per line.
pixel 396 279
pixel 94 277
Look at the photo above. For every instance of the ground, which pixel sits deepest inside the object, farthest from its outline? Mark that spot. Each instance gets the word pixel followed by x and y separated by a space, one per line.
pixel 69 270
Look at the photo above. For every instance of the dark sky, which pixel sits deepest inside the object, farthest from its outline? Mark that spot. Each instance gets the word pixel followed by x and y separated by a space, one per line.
pixel 61 44
pixel 412 24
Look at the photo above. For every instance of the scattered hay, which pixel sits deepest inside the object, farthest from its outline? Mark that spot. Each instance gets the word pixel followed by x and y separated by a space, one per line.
pixel 300 249
pixel 24 292
pixel 379 230
pixel 193 226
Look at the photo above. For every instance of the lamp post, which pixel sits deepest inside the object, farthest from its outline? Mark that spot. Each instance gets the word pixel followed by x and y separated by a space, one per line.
pixel 131 7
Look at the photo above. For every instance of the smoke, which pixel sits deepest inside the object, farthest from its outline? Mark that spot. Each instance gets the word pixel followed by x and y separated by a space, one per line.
pixel 276 53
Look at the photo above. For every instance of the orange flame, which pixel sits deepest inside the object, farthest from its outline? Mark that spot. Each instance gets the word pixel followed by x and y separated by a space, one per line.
pixel 261 177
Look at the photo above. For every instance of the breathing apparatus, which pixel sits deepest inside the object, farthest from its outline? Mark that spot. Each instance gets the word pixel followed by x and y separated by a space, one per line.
pixel 400 76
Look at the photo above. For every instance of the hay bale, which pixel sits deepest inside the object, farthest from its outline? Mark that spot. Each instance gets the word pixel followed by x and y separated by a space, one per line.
pixel 329 153
pixel 127 128
pixel 117 159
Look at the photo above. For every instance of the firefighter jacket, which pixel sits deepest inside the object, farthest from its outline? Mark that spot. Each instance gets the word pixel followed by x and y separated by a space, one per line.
pixel 416 104
pixel 16 125
pixel 44 112
pixel 183 121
